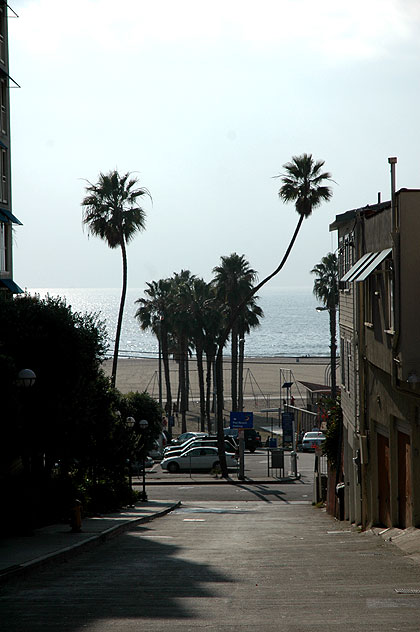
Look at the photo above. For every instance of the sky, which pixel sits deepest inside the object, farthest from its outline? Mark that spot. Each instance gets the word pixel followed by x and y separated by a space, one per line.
pixel 204 102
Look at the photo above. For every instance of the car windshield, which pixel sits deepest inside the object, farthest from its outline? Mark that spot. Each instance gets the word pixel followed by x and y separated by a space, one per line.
pixel 313 435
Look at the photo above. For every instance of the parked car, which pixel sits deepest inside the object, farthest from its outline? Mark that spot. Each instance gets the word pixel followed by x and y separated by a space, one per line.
pixel 187 435
pixel 200 443
pixel 311 440
pixel 251 436
pixel 231 446
pixel 197 459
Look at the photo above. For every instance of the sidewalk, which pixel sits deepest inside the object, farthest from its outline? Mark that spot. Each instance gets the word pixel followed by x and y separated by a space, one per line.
pixel 20 555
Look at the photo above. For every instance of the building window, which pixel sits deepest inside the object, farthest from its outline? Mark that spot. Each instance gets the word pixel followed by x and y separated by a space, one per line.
pixel 389 295
pixel 343 361
pixel 4 177
pixel 348 356
pixel 345 258
pixel 3 106
pixel 2 34
pixel 3 247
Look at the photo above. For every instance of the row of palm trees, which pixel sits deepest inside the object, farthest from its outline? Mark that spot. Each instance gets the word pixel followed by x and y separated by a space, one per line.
pixel 112 212
pixel 187 315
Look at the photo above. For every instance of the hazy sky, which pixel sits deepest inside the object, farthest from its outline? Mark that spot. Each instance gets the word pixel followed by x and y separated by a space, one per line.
pixel 205 101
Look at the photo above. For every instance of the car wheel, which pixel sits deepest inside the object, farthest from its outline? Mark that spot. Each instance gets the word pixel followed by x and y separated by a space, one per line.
pixel 252 449
pixel 173 467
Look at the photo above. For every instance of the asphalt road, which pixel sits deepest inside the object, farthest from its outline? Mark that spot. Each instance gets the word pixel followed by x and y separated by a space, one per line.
pixel 225 566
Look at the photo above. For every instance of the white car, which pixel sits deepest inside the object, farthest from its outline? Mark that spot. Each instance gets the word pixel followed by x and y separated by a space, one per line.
pixel 184 444
pixel 196 459
pixel 311 440
pixel 185 436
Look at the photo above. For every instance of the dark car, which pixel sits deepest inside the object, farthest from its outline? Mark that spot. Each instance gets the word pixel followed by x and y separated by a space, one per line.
pixel 251 436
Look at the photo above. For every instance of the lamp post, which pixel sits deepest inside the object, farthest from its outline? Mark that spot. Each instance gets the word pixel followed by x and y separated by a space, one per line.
pixel 144 424
pixel 130 421
pixel 25 380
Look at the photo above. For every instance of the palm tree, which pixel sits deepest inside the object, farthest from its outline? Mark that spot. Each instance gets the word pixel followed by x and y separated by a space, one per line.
pixel 233 281
pixel 304 184
pixel 247 320
pixel 112 212
pixel 154 314
pixel 182 325
pixel 326 290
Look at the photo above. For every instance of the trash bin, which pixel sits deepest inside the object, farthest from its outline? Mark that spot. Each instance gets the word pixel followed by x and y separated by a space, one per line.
pixel 339 492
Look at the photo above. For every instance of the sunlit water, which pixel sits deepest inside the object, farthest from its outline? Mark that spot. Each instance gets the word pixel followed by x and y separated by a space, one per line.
pixel 290 327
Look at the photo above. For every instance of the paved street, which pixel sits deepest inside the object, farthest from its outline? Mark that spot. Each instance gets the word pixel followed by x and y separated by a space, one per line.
pixel 260 565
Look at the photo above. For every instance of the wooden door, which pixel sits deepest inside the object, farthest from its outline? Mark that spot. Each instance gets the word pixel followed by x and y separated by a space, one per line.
pixel 384 501
pixel 404 480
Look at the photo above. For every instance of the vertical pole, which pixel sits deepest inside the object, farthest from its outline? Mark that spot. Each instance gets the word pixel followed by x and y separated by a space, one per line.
pixel 160 367
pixel 241 475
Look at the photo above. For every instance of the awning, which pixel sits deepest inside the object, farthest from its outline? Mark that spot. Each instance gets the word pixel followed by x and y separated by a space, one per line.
pixel 7 216
pixel 366 265
pixel 11 285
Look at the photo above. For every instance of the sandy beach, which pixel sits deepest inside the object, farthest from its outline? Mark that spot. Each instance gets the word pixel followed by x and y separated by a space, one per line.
pixel 263 377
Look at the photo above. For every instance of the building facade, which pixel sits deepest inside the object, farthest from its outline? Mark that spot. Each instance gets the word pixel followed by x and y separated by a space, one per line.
pixel 379 260
pixel 7 219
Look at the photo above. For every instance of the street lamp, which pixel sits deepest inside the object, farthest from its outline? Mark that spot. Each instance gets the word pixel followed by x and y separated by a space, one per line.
pixel 130 421
pixel 144 424
pixel 26 378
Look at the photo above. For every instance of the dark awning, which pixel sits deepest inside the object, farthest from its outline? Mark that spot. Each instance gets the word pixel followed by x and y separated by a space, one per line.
pixel 7 216
pixel 366 265
pixel 11 285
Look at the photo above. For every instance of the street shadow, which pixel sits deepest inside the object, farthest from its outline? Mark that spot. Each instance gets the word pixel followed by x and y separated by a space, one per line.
pixel 136 576
pixel 263 492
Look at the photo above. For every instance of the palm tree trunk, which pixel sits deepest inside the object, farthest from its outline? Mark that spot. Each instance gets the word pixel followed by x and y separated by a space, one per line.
pixel 241 371
pixel 221 343
pixel 209 367
pixel 234 367
pixel 183 386
pixel 200 370
pixel 333 347
pixel 165 359
pixel 120 314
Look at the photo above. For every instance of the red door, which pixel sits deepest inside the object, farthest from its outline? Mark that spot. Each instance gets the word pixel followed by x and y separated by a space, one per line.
pixel 384 504
pixel 404 480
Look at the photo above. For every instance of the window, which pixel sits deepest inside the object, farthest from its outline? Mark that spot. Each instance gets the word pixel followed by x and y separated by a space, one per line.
pixel 3 247
pixel 348 357
pixel 3 106
pixel 4 177
pixel 2 34
pixel 389 295
pixel 343 361
pixel 345 258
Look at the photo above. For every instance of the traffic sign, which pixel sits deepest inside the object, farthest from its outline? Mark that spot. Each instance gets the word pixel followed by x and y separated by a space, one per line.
pixel 241 420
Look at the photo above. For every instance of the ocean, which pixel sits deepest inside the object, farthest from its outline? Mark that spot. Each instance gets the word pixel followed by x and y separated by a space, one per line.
pixel 291 326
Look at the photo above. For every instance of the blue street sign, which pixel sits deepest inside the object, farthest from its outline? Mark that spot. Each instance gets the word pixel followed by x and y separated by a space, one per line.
pixel 241 420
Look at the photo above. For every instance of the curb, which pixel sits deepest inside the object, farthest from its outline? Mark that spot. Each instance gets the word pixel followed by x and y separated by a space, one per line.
pixel 64 554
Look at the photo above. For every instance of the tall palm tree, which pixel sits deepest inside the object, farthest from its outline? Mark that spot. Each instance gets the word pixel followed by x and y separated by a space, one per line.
pixel 112 212
pixel 303 184
pixel 247 320
pixel 233 281
pixel 154 314
pixel 326 290
pixel 182 325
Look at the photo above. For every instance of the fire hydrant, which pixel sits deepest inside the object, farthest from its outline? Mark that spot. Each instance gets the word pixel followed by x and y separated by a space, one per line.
pixel 76 517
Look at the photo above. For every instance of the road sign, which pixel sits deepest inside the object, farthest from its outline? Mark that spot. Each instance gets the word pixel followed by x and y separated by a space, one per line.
pixel 241 420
